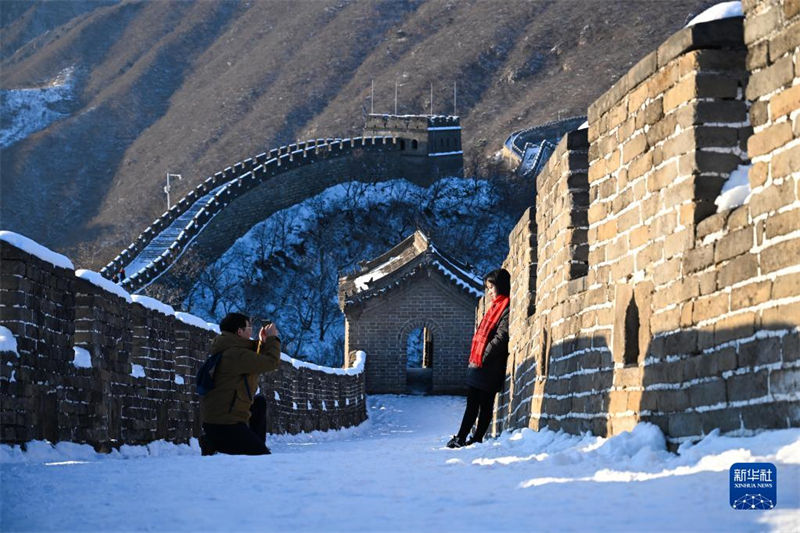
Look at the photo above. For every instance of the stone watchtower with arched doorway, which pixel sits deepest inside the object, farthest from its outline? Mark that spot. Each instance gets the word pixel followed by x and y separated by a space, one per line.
pixel 412 310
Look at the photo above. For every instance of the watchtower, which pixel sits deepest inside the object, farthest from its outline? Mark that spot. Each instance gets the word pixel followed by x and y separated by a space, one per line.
pixel 412 310
pixel 428 143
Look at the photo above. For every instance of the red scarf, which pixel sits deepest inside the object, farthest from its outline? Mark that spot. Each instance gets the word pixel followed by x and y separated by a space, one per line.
pixel 488 323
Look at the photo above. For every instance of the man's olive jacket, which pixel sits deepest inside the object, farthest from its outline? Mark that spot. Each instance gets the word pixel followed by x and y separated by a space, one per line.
pixel 236 377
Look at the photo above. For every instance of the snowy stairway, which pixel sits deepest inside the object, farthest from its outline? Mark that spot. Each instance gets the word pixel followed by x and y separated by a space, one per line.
pixel 161 243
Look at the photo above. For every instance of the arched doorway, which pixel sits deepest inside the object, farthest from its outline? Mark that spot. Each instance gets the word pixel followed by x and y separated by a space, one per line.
pixel 419 361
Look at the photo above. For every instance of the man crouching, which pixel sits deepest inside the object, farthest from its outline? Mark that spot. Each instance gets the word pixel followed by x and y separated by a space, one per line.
pixel 234 421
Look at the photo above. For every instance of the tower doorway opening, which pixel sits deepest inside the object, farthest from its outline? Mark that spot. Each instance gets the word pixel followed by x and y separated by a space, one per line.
pixel 419 361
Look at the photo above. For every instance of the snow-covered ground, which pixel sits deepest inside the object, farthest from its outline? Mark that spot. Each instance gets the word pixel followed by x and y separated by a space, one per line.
pixel 393 473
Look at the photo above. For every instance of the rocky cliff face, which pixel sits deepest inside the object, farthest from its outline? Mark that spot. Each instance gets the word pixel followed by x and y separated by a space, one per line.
pixel 190 87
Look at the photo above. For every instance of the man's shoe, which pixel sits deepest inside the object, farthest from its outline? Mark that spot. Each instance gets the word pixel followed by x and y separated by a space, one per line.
pixel 206 448
pixel 473 440
pixel 455 442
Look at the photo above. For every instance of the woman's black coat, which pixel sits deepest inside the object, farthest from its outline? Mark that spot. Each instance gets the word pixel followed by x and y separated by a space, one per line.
pixel 490 376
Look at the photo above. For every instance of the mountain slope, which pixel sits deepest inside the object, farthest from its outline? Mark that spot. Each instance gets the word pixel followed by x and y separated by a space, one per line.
pixel 190 88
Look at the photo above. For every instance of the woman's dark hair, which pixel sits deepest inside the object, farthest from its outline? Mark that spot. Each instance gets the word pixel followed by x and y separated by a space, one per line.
pixel 501 280
pixel 233 322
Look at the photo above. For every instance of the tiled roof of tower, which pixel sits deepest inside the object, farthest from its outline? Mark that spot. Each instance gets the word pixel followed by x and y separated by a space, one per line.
pixel 396 265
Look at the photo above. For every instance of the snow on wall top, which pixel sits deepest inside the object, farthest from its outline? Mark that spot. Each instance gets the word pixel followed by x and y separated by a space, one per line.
pixel 196 321
pixel 152 303
pixel 45 254
pixel 719 11
pixel 107 285
pixel 34 248
pixel 356 369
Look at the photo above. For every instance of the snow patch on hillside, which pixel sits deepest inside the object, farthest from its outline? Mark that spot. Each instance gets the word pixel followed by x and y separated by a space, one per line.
pixel 26 111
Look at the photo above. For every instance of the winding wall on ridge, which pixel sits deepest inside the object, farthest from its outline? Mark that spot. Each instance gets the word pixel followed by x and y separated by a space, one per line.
pixel 260 186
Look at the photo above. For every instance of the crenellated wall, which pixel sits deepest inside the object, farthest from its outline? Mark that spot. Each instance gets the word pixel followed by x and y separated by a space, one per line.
pixel 280 174
pixel 250 190
pixel 546 255
pixel 647 303
pixel 772 35
pixel 139 385
pixel 306 397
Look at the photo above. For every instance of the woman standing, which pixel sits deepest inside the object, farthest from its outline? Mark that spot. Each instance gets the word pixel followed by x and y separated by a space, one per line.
pixel 487 360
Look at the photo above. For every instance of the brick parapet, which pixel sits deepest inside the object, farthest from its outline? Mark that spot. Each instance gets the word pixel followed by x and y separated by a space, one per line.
pixel 772 35
pixel 685 318
pixel 521 264
pixel 301 399
pixel 140 385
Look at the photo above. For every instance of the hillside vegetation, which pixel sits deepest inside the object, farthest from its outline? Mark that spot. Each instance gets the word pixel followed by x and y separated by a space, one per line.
pixel 191 87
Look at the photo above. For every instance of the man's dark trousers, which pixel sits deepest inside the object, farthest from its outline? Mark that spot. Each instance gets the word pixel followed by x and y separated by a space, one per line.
pixel 241 439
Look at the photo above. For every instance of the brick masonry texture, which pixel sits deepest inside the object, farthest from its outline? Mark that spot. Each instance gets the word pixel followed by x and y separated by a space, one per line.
pixel 380 326
pixel 632 299
pixel 45 396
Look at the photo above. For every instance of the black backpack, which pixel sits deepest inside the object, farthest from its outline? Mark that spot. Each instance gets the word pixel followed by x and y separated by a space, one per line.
pixel 205 376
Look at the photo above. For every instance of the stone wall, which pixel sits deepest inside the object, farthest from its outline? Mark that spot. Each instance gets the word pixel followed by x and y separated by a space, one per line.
pixel 647 304
pixel 307 397
pixel 772 35
pixel 422 136
pixel 140 385
pixel 239 169
pixel 291 182
pixel 522 265
pixel 251 190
